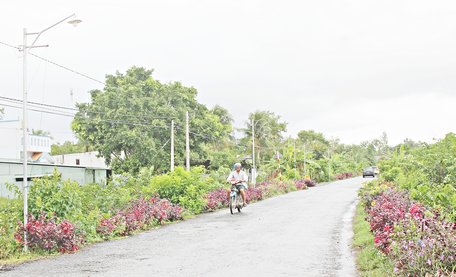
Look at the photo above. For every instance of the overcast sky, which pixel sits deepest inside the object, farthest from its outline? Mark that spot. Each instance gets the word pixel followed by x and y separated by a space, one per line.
pixel 350 69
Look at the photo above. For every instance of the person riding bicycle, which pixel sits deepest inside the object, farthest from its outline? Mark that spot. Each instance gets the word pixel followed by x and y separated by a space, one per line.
pixel 239 178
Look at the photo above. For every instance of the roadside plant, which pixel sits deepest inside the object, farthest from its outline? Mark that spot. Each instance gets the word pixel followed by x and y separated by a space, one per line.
pixel 139 215
pixel 50 234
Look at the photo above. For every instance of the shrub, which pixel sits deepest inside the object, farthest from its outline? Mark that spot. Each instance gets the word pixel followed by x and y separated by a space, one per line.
pixel 139 215
pixel 50 195
pixel 47 233
pixel 345 175
pixel 424 244
pixel 10 213
pixel 188 189
pixel 310 183
pixel 216 199
pixel 388 209
pixel 254 194
pixel 420 242
pixel 300 184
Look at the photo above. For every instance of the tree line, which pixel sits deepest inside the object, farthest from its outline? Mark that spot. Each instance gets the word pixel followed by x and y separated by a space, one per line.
pixel 129 122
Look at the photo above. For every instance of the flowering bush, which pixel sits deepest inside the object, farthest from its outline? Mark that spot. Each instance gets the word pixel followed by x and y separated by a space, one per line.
pixel 389 207
pixel 424 244
pixel 141 213
pixel 254 194
pixel 419 241
pixel 310 183
pixel 300 184
pixel 345 175
pixel 216 199
pixel 45 233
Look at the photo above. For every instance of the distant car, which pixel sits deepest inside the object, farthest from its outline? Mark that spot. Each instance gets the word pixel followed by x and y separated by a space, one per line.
pixel 369 171
pixel 376 170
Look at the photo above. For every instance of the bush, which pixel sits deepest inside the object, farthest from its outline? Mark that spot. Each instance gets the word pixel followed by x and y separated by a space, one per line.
pixel 140 214
pixel 420 241
pixel 216 199
pixel 300 184
pixel 10 213
pixel 345 175
pixel 424 244
pixel 188 189
pixel 50 234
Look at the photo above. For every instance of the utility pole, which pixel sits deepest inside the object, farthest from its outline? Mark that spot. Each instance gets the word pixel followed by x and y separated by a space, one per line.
pixel 187 142
pixel 329 166
pixel 172 145
pixel 305 162
pixel 25 138
pixel 25 134
pixel 294 154
pixel 253 153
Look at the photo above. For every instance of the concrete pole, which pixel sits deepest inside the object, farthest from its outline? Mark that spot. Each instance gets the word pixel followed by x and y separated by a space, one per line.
pixel 172 145
pixel 253 154
pixel 305 162
pixel 25 133
pixel 294 154
pixel 187 142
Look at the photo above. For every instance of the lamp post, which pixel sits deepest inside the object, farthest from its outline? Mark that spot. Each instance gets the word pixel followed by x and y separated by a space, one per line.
pixel 25 48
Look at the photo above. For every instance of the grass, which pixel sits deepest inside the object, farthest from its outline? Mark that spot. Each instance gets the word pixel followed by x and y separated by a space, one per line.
pixel 370 261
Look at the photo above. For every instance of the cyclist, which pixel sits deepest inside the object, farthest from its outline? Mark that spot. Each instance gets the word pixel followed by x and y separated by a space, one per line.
pixel 239 178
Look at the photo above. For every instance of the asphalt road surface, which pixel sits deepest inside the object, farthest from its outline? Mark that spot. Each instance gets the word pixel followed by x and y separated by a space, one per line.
pixel 304 233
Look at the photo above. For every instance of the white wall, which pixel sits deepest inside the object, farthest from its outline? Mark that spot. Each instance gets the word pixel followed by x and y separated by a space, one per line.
pixel 85 159
pixel 10 140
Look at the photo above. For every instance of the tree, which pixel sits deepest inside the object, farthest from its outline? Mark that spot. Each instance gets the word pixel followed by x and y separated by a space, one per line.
pixel 315 142
pixel 41 133
pixel 269 131
pixel 69 147
pixel 128 122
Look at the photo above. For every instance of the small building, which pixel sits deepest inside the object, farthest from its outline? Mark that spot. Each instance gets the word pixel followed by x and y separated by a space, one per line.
pixel 91 159
pixel 83 168
pixel 11 172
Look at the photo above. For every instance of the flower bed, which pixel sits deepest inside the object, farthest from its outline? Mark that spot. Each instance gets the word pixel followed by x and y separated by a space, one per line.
pixel 138 215
pixel 46 233
pixel 345 175
pixel 217 199
pixel 418 240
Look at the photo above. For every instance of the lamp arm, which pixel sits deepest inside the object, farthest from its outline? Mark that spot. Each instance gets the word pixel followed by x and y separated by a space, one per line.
pixel 39 34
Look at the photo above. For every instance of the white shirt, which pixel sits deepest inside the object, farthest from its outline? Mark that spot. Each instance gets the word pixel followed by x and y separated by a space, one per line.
pixel 241 176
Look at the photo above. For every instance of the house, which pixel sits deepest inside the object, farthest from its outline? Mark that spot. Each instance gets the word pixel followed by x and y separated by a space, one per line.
pixel 40 162
pixel 11 172
pixel 85 159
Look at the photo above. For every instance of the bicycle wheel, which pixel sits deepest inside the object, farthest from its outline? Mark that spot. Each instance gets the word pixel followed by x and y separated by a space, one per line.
pixel 232 204
pixel 238 203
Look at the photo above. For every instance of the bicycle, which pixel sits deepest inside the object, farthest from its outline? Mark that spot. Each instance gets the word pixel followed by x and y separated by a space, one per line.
pixel 236 198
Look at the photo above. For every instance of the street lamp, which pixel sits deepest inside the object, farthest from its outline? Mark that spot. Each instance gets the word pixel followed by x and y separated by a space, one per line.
pixel 25 48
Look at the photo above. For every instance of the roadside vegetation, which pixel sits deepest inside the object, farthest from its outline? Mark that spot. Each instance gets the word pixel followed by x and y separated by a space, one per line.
pixel 128 124
pixel 411 209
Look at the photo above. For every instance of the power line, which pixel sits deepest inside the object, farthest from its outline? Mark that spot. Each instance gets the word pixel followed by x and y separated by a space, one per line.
pixel 14 100
pixel 9 45
pixel 94 120
pixel 36 103
pixel 67 68
pixel 54 63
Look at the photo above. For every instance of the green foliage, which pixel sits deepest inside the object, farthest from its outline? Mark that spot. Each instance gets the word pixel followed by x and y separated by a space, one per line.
pixel 69 147
pixel 51 195
pixel 186 188
pixel 128 122
pixel 428 172
pixel 10 213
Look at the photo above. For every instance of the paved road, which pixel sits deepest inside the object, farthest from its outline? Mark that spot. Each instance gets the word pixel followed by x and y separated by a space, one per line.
pixel 304 233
